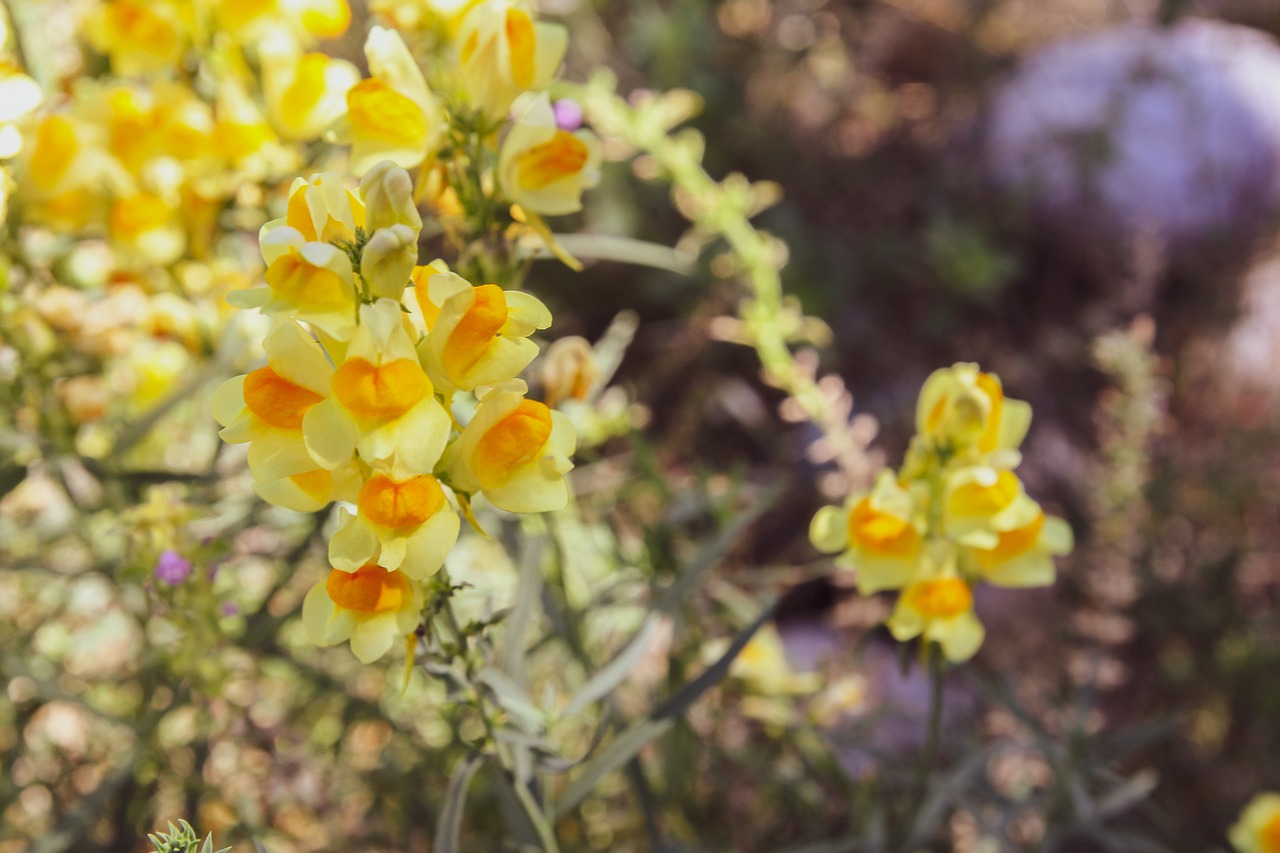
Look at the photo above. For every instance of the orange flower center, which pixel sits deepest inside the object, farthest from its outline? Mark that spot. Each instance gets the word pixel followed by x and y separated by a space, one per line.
pixel 1013 543
pixel 560 157
pixel 276 400
pixel 1269 835
pixel 881 533
pixel 513 441
pixel 379 112
pixel 370 589
pixel 940 598
pixel 400 505
pixel 470 339
pixel 380 392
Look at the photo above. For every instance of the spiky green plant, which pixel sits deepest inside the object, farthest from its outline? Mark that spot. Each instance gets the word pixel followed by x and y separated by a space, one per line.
pixel 182 839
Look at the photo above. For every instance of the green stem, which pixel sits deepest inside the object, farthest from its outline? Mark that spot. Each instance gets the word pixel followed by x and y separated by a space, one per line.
pixel 929 753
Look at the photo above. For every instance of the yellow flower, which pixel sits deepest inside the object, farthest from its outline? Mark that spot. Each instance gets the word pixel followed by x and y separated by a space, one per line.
pixel 763 666
pixel 879 533
pixel 19 96
pixel 371 607
pixel 516 451
pixel 505 52
pixel 304 93
pixel 569 370
pixel 148 227
pixel 940 609
pixel 322 209
pixel 388 260
pixel 383 406
pixel 1023 556
pixel 392 115
pixel 963 410
pixel 139 36
pixel 323 19
pixel 980 503
pixel 267 408
pixel 309 281
pixel 544 169
pixel 1258 829
pixel 481 335
pixel 403 524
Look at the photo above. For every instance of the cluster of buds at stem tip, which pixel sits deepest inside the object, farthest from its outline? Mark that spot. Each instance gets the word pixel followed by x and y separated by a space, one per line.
pixel 954 515
pixel 367 352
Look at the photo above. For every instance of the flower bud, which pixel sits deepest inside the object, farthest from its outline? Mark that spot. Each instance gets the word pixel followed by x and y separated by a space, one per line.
pixel 388 260
pixel 569 370
pixel 388 197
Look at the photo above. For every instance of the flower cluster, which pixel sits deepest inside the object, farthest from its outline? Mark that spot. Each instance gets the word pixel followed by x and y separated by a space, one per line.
pixel 365 357
pixel 955 514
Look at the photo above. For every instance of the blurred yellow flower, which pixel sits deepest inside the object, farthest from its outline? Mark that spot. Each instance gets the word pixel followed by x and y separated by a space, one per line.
pixel 962 410
pixel 392 115
pixel 1023 556
pixel 940 609
pixel 1258 829
pixel 304 93
pixel 980 502
pixel 879 533
pixel 371 607
pixel 544 169
pixel 139 37
pixel 515 451
pixel 505 52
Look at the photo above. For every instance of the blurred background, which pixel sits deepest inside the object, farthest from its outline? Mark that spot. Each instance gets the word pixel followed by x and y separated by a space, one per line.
pixel 1080 195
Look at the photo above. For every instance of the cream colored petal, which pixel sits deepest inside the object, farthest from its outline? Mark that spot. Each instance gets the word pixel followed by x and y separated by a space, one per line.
pixel 286 494
pixel 427 547
pixel 1015 420
pixel 1056 536
pixel 374 637
pixel 249 298
pixel 277 239
pixel 563 439
pixel 294 355
pixel 960 636
pixel 355 544
pixel 414 441
pixel 228 402
pixel 525 313
pixel 528 489
pixel 330 434
pixel 829 530
pixel 388 260
pixel 879 573
pixel 1033 569
pixel 505 359
pixel 553 41
pixel 392 554
pixel 390 60
pixel 904 623
pixel 317 610
pixel 276 453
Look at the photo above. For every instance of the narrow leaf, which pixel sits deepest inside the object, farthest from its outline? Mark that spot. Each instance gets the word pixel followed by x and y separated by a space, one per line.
pixel 449 828
pixel 615 672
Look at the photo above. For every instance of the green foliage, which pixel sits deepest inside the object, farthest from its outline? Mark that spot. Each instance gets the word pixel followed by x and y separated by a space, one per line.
pixel 182 839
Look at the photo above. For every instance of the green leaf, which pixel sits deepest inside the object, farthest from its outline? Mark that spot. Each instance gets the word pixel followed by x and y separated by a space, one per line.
pixel 512 698
pixel 615 672
pixel 449 828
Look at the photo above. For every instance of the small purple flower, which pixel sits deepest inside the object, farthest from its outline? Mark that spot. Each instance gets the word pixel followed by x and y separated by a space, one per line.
pixel 172 568
pixel 568 114
pixel 229 609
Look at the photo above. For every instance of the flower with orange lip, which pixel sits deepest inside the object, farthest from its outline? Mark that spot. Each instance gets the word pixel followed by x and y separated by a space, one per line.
pixel 304 93
pixel 980 502
pixel 1258 829
pixel 1023 556
pixel 515 451
pixel 392 115
pixel 544 169
pixel 404 524
pixel 371 606
pixel 879 533
pixel 383 406
pixel 481 334
pixel 503 52
pixel 266 408
pixel 939 609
